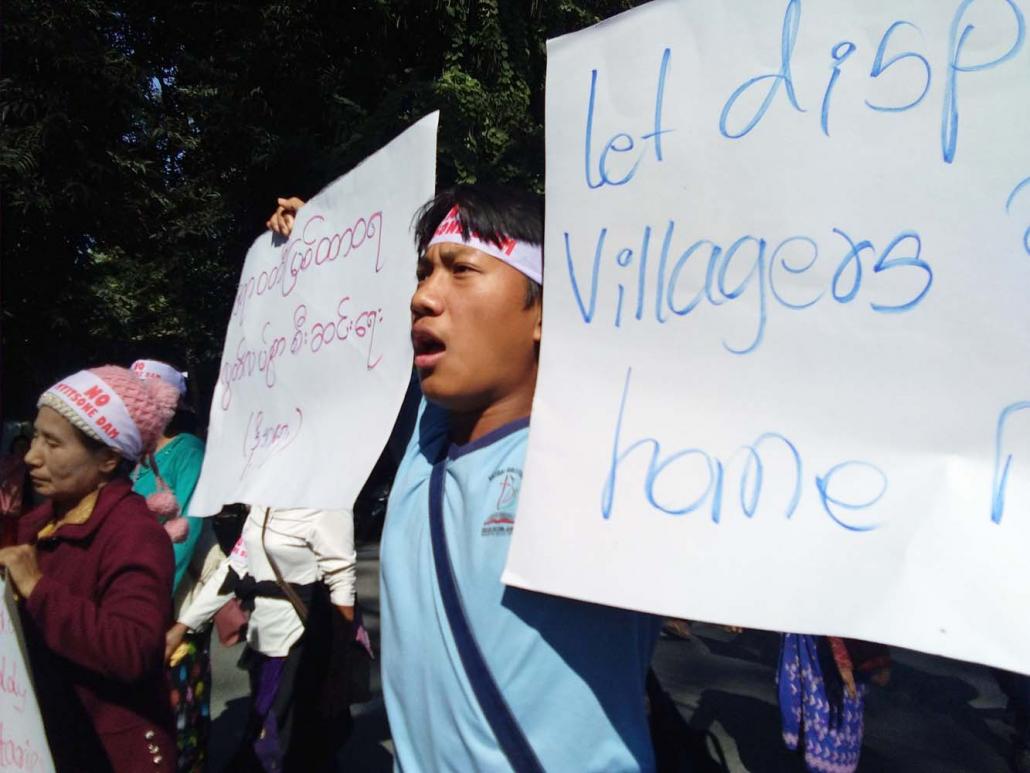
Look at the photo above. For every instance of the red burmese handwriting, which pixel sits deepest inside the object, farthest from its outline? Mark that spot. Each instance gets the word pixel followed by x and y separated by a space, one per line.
pixel 450 225
pixel 309 251
pixel 17 756
pixel 323 333
pixel 13 690
pixel 248 360
pixel 313 337
pixel 263 439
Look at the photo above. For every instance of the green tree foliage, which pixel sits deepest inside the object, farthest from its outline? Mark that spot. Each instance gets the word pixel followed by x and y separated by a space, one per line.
pixel 143 146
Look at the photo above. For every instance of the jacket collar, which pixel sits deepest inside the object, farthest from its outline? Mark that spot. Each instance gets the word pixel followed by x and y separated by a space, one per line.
pixel 111 495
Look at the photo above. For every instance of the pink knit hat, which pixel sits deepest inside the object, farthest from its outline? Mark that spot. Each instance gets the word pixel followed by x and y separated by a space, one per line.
pixel 151 403
pixel 164 502
pixel 126 413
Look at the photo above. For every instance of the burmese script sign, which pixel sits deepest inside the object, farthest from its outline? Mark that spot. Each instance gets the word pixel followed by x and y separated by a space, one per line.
pixel 785 374
pixel 318 352
pixel 23 744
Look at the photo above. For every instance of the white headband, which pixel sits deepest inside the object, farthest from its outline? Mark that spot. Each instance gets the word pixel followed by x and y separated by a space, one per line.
pixel 158 369
pixel 100 409
pixel 521 256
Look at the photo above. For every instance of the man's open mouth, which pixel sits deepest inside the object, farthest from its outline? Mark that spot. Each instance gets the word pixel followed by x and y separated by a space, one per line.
pixel 428 348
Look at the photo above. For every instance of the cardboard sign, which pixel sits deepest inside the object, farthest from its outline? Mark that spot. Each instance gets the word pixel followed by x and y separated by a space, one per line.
pixel 23 744
pixel 318 352
pixel 785 373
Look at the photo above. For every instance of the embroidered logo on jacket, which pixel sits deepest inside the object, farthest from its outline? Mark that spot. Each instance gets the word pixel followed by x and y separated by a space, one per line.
pixel 504 498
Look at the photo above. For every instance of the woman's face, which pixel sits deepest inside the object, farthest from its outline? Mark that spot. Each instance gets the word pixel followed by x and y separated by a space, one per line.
pixel 61 466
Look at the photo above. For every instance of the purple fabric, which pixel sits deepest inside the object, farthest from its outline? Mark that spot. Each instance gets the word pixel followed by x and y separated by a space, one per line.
pixel 266 745
pixel 361 633
pixel 827 728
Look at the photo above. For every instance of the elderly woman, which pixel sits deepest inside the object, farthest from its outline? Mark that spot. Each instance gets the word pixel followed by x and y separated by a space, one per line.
pixel 94 570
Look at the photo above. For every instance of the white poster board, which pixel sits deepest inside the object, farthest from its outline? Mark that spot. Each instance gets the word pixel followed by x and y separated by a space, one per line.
pixel 23 744
pixel 785 370
pixel 318 351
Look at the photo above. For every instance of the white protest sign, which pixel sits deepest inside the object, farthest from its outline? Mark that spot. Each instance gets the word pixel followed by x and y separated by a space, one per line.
pixel 318 352
pixel 785 373
pixel 23 744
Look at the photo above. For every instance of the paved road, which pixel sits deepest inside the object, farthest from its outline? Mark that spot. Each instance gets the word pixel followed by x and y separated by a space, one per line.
pixel 936 716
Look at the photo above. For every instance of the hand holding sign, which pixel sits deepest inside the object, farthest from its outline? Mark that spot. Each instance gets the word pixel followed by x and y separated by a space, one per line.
pixel 285 213
pixel 22 567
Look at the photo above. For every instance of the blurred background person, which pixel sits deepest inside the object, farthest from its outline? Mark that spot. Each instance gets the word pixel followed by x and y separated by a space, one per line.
pixel 295 571
pixel 180 457
pixel 15 489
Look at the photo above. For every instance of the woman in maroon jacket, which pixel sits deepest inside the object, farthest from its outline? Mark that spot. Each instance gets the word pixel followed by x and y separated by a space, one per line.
pixel 94 570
